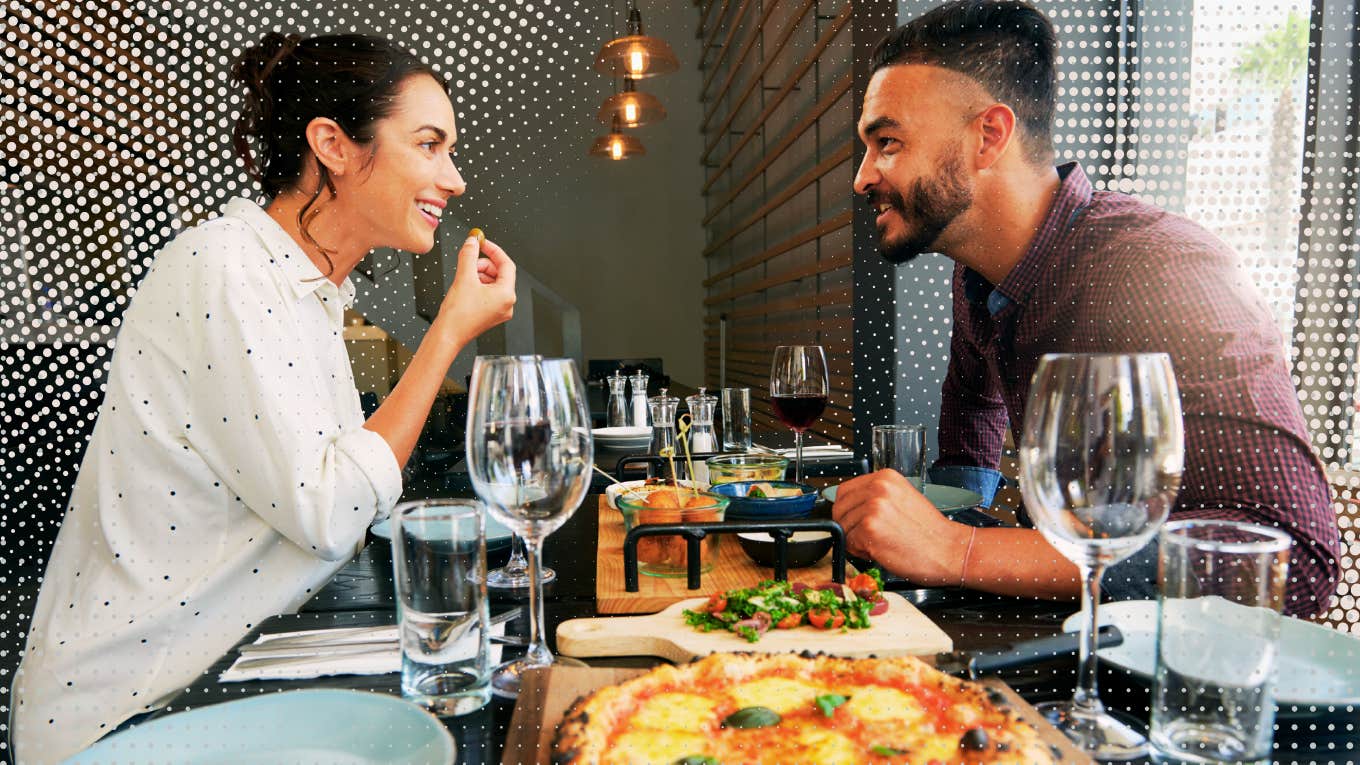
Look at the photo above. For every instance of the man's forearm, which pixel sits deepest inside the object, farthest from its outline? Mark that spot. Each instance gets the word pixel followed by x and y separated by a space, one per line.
pixel 1009 561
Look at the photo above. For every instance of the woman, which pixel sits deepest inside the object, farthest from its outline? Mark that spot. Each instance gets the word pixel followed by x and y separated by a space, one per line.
pixel 231 471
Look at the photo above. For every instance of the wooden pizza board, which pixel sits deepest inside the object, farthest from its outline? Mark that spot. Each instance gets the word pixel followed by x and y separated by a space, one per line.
pixel 902 630
pixel 731 570
pixel 548 693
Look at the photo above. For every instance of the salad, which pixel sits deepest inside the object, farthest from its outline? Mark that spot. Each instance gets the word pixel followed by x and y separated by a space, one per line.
pixel 751 611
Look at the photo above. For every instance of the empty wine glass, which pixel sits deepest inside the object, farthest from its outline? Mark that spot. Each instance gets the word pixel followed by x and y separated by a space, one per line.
pixel 798 392
pixel 529 456
pixel 514 575
pixel 1100 466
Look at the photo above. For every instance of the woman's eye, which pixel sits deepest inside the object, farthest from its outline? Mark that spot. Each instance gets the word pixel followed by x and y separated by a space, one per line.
pixel 430 146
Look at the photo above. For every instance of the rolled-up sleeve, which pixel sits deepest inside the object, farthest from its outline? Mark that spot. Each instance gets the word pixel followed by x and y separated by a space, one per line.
pixel 270 415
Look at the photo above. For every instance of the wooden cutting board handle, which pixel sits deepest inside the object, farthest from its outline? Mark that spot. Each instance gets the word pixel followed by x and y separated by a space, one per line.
pixel 902 631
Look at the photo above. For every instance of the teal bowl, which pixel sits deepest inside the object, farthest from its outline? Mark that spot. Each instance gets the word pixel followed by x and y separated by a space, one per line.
pixel 744 508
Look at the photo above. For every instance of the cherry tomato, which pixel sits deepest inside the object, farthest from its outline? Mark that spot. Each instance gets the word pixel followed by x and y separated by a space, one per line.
pixel 790 621
pixel 864 586
pixel 716 603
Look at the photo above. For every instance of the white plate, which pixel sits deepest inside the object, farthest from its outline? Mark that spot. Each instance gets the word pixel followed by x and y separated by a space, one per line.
pixel 331 726
pixel 947 499
pixel 1317 666
pixel 623 438
pixel 497 533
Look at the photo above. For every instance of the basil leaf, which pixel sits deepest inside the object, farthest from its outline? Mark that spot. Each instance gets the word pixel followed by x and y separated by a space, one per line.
pixel 887 751
pixel 828 702
pixel 697 759
pixel 752 717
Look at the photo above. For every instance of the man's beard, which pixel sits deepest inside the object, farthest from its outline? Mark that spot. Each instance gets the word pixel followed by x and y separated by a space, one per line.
pixel 935 202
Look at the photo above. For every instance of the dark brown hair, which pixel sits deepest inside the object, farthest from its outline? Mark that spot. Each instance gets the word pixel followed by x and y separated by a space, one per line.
pixel 1006 46
pixel 290 81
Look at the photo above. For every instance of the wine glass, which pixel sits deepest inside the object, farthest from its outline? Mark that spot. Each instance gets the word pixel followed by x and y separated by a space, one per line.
pixel 798 392
pixel 529 455
pixel 514 575
pixel 1100 466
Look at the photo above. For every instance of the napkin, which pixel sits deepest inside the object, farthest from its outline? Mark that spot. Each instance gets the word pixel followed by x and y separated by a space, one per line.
pixel 352 651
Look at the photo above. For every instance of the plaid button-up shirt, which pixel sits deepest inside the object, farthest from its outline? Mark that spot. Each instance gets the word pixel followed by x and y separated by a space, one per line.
pixel 1107 273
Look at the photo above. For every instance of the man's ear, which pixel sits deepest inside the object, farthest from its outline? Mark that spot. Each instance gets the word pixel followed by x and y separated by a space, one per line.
pixel 331 146
pixel 996 127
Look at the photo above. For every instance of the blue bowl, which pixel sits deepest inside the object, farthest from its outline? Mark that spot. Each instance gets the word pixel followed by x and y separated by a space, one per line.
pixel 744 508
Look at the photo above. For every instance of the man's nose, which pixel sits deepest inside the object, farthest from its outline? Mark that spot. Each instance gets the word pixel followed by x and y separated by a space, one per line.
pixel 866 176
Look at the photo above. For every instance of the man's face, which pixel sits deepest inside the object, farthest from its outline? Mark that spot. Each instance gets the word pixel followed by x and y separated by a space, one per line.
pixel 913 174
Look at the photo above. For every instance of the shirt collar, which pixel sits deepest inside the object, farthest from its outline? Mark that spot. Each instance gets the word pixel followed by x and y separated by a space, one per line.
pixel 301 275
pixel 1073 195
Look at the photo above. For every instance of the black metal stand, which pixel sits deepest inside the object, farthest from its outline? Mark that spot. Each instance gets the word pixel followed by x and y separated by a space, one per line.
pixel 694 533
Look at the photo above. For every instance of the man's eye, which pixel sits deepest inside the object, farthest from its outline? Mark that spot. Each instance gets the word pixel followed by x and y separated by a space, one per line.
pixel 885 143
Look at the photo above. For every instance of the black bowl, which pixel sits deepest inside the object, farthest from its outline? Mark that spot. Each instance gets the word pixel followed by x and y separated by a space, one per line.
pixel 805 547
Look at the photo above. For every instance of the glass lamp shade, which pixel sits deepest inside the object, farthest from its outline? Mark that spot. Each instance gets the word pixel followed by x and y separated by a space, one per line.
pixel 632 108
pixel 616 145
pixel 636 56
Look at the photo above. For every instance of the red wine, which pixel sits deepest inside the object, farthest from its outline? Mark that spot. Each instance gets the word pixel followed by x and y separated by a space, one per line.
pixel 799 410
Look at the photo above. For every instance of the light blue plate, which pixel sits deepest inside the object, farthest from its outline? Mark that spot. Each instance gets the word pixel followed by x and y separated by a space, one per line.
pixel 319 726
pixel 1316 665
pixel 497 533
pixel 947 499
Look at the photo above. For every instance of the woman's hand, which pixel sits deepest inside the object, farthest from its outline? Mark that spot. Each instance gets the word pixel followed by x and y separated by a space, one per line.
pixel 482 295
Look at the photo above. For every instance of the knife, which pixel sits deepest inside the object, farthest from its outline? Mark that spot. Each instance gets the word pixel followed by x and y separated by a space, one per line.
pixel 972 664
pixel 327 641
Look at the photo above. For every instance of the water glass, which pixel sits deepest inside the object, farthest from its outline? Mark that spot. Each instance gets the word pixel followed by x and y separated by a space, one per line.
pixel 736 418
pixel 439 568
pixel 1222 585
pixel 902 448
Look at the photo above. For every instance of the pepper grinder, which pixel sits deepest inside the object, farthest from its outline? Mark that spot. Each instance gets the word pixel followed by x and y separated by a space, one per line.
pixel 618 409
pixel 663 407
pixel 639 382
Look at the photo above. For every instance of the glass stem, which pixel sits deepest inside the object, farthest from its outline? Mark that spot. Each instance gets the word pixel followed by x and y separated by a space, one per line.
pixel 516 563
pixel 798 456
pixel 538 653
pixel 1087 697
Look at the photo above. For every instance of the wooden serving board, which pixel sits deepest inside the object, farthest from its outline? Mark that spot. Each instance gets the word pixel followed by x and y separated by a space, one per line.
pixel 731 570
pixel 548 693
pixel 900 631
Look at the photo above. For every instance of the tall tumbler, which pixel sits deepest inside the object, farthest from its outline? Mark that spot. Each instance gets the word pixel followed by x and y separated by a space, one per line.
pixel 439 567
pixel 1222 590
pixel 902 448
pixel 736 419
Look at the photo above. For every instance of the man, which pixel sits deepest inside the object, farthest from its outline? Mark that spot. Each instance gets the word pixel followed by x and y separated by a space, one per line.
pixel 957 121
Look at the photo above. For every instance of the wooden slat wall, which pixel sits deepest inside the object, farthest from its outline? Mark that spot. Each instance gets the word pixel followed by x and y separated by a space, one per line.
pixel 778 130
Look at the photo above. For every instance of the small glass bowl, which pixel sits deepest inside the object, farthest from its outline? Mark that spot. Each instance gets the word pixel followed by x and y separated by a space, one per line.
pixel 667 556
pixel 727 468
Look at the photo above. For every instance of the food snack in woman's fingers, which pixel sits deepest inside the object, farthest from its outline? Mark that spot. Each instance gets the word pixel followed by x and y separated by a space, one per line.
pixel 784 708
pixel 481 238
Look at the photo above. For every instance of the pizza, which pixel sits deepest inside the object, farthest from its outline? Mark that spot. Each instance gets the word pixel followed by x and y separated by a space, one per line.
pixel 731 708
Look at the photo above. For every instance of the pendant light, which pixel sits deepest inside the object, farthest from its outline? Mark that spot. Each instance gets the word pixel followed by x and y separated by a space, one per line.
pixel 636 55
pixel 632 108
pixel 617 145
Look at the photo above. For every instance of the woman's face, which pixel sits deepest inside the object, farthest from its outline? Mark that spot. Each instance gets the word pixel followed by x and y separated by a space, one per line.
pixel 398 199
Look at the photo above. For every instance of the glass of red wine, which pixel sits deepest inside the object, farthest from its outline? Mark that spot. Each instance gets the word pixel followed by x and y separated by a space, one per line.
pixel 798 392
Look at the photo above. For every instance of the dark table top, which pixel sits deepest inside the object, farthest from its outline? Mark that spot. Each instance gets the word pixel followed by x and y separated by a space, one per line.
pixel 361 594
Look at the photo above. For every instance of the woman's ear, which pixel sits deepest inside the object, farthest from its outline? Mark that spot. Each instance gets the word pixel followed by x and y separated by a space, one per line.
pixel 331 146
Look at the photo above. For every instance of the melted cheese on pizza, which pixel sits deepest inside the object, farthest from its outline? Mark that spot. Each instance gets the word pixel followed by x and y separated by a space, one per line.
pixel 876 703
pixel 675 711
pixel 780 694
pixel 656 746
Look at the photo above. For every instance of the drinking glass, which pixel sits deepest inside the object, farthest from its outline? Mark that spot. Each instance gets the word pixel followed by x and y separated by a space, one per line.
pixel 1100 466
pixel 902 448
pixel 529 456
pixel 736 417
pixel 438 559
pixel 798 392
pixel 514 575
pixel 1218 579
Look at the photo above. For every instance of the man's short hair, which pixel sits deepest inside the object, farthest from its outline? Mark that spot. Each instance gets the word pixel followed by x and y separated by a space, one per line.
pixel 1007 46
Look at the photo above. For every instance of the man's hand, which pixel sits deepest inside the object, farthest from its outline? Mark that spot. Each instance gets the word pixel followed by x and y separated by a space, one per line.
pixel 482 295
pixel 888 521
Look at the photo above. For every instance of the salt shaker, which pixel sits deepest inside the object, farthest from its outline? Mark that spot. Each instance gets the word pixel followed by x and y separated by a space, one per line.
pixel 702 437
pixel 618 408
pixel 639 414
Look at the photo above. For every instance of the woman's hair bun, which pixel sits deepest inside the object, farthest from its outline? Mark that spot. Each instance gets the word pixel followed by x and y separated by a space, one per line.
pixel 253 70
